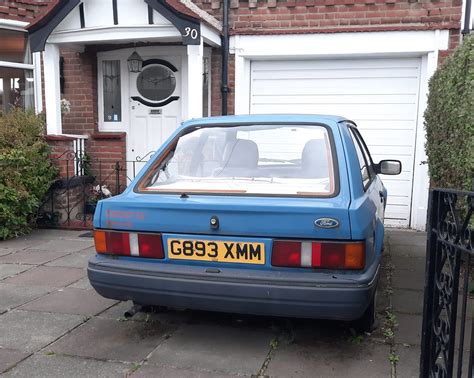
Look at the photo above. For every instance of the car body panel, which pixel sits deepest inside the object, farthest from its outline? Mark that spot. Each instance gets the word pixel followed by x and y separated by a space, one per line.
pixel 240 287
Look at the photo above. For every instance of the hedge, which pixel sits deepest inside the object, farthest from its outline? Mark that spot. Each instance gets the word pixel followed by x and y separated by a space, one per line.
pixel 449 120
pixel 26 172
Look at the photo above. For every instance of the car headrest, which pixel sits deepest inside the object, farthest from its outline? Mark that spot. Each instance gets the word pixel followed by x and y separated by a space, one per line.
pixel 314 159
pixel 242 153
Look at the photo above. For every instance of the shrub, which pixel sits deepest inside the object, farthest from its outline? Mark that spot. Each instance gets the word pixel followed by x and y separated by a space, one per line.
pixel 26 172
pixel 449 120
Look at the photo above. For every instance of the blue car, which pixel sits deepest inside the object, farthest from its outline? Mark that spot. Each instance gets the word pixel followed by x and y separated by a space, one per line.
pixel 276 215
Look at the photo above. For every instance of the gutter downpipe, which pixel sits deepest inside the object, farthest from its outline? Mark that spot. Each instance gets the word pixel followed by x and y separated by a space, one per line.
pixel 225 55
pixel 467 18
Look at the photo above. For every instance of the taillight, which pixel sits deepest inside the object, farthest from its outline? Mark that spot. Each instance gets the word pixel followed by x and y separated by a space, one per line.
pixel 286 253
pixel 129 244
pixel 323 255
pixel 150 245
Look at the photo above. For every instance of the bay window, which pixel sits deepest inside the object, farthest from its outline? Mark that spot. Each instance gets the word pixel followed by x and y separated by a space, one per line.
pixel 16 71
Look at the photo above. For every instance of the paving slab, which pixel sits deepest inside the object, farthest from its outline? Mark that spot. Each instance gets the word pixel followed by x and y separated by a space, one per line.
pixel 29 331
pixel 32 256
pixel 6 251
pixel 230 350
pixel 50 234
pixel 409 364
pixel 52 366
pixel 407 301
pixel 47 276
pixel 12 295
pixel 171 372
pixel 406 238
pixel 8 270
pixel 410 263
pixel 405 279
pixel 337 359
pixel 71 301
pixel 19 243
pixel 83 283
pixel 73 260
pixel 408 330
pixel 10 357
pixel 112 340
pixel 61 245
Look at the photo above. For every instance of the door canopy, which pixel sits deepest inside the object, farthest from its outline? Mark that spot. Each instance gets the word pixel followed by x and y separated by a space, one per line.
pixel 184 19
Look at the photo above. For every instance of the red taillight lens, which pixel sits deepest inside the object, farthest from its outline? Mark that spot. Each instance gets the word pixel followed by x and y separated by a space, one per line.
pixel 333 256
pixel 286 253
pixel 150 245
pixel 129 244
pixel 118 243
pixel 323 255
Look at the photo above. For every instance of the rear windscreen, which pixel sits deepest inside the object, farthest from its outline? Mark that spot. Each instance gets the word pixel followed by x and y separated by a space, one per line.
pixel 258 159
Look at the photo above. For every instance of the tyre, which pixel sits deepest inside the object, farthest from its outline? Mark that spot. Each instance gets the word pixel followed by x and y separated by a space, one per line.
pixel 368 322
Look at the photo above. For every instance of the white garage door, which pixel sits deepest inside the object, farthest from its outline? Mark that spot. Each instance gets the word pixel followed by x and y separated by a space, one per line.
pixel 380 95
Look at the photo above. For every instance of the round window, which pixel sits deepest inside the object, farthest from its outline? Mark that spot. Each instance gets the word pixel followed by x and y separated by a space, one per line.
pixel 156 83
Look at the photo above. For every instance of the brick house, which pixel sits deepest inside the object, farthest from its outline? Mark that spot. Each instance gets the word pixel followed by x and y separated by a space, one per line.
pixel 133 70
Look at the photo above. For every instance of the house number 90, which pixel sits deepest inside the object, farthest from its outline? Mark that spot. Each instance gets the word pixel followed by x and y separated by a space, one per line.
pixel 190 32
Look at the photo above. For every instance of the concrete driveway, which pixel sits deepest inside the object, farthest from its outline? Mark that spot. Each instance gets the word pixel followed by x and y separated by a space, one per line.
pixel 53 324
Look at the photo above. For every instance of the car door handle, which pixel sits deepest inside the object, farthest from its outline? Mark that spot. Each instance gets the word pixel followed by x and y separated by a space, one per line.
pixel 382 197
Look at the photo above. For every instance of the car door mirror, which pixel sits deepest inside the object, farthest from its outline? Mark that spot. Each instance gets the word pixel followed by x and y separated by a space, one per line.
pixel 389 167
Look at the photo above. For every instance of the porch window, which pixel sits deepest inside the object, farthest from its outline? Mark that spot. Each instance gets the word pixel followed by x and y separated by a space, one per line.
pixel 16 71
pixel 112 91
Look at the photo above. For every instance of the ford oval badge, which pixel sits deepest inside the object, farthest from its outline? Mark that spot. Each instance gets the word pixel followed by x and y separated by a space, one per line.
pixel 326 223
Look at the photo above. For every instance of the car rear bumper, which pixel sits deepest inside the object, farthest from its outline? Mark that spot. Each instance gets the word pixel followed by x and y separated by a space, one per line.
pixel 234 290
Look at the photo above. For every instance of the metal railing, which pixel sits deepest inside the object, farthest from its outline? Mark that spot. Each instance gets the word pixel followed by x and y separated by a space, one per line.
pixel 449 257
pixel 72 199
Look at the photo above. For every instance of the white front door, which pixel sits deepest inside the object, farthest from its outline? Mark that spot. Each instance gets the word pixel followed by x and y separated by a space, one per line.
pixel 155 108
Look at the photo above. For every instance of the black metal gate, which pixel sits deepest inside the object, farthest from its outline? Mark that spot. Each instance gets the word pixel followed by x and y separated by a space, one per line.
pixel 447 341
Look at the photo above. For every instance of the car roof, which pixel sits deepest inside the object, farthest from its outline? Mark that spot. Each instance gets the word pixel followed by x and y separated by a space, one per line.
pixel 264 118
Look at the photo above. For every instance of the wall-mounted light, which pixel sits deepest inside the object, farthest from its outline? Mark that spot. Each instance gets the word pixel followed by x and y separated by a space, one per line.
pixel 135 62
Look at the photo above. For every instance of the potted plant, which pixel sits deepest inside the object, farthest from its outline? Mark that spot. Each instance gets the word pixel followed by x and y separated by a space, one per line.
pixel 97 193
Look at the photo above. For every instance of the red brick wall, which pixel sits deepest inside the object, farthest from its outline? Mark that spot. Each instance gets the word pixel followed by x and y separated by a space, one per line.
pixel 80 72
pixel 300 16
pixel 62 154
pixel 105 150
pixel 216 83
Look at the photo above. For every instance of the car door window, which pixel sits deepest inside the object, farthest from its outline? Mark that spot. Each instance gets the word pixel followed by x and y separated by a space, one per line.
pixel 365 151
pixel 363 162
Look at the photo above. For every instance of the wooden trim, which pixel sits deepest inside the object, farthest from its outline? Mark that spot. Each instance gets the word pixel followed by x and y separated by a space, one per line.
pixel 40 30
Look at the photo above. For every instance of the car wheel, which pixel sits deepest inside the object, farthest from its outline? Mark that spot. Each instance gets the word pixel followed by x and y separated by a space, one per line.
pixel 368 322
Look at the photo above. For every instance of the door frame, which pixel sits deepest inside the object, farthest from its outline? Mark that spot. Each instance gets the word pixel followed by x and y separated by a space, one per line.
pixel 146 52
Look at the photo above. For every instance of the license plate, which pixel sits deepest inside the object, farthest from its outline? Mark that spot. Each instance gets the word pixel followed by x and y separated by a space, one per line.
pixel 217 251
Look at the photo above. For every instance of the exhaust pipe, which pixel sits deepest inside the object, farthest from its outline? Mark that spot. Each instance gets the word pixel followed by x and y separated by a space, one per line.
pixel 132 311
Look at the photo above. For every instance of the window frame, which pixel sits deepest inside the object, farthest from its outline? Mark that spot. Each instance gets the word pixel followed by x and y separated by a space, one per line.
pixel 124 95
pixel 142 182
pixel 19 26
pixel 360 143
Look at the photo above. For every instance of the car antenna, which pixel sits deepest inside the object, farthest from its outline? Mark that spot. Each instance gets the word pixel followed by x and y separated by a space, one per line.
pixel 183 195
